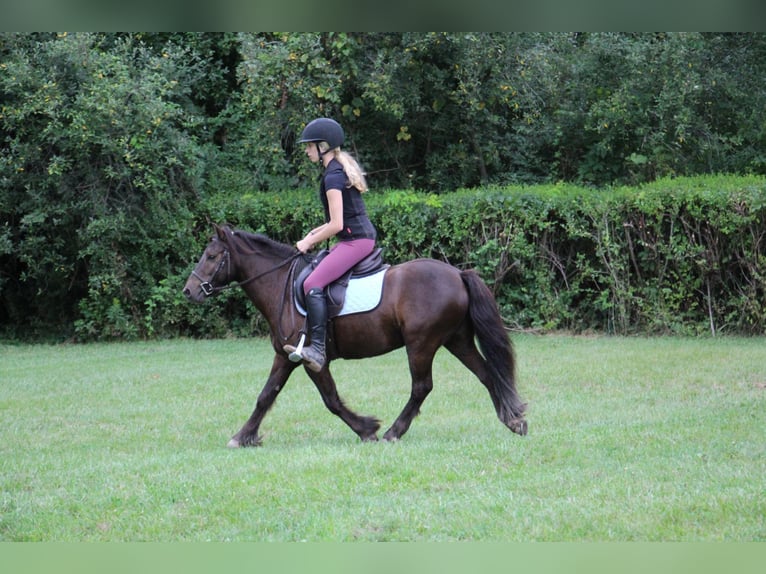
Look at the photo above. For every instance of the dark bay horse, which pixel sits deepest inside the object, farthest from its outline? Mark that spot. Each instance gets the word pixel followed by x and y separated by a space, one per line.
pixel 426 304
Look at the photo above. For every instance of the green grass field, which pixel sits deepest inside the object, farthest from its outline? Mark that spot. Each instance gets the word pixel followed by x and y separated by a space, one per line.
pixel 630 439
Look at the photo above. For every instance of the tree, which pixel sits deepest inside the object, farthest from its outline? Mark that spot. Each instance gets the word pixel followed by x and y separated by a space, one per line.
pixel 99 172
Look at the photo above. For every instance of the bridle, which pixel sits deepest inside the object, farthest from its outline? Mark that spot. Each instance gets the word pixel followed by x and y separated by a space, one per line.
pixel 209 289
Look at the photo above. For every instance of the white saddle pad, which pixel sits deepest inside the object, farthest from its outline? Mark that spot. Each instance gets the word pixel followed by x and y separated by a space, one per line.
pixel 362 294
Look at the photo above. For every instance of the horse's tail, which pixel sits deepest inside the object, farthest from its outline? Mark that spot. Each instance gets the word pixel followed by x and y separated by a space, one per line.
pixel 497 349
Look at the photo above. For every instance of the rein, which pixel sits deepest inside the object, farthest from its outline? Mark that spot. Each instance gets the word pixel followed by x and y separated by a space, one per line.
pixel 209 289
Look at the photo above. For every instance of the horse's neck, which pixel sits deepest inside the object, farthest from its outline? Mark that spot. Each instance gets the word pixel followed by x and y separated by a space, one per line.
pixel 270 292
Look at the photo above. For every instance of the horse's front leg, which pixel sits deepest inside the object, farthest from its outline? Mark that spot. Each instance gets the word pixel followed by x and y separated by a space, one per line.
pixel 365 427
pixel 248 434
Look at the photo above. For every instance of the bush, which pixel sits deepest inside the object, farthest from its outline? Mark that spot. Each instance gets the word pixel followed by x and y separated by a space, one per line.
pixel 681 256
pixel 678 256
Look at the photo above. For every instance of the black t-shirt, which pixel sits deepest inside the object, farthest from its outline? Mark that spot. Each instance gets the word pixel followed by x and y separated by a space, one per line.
pixel 356 224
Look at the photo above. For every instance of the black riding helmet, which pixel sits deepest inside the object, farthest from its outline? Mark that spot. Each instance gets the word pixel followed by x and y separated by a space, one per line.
pixel 323 130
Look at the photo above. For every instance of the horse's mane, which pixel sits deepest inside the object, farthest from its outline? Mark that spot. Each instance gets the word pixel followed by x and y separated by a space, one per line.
pixel 259 242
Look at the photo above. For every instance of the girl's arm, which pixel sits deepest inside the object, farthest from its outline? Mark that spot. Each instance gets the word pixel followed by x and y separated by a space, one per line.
pixel 329 229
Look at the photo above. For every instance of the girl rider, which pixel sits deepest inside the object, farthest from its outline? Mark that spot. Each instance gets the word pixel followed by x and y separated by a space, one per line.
pixel 340 192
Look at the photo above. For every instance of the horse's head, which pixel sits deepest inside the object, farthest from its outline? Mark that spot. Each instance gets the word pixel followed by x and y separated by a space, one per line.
pixel 213 271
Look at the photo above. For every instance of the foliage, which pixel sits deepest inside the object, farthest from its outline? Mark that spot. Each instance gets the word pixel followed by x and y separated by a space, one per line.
pixel 675 256
pixel 683 255
pixel 442 111
pixel 100 171
pixel 117 149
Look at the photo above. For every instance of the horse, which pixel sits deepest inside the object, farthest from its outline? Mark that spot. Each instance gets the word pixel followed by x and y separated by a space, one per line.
pixel 425 304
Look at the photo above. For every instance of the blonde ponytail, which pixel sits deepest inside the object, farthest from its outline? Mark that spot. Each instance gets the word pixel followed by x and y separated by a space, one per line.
pixel 352 168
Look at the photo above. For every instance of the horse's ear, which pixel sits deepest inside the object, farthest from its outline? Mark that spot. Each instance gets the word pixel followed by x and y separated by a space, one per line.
pixel 220 232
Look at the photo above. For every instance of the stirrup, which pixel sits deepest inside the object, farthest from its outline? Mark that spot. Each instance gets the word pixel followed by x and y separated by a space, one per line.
pixel 296 355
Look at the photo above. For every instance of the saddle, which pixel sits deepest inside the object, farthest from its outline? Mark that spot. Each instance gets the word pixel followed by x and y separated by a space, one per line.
pixel 336 291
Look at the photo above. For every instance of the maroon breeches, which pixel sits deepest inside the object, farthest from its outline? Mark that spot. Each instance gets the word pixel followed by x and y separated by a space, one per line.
pixel 342 257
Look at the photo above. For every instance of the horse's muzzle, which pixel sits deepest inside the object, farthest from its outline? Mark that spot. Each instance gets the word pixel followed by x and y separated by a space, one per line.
pixel 194 293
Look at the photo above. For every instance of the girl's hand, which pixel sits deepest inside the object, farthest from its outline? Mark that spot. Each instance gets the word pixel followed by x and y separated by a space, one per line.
pixel 304 245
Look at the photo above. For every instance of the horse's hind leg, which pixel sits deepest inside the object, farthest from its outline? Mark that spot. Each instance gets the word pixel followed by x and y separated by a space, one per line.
pixel 365 427
pixel 469 355
pixel 463 347
pixel 420 362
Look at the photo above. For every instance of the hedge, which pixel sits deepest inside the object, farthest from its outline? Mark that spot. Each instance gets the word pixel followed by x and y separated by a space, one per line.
pixel 677 256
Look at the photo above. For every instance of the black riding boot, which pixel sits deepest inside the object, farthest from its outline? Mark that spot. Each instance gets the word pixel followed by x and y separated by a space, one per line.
pixel 316 317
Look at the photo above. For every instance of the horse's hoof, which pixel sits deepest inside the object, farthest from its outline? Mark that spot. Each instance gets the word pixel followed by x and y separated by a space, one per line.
pixel 519 426
pixel 243 442
pixel 390 437
pixel 370 438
